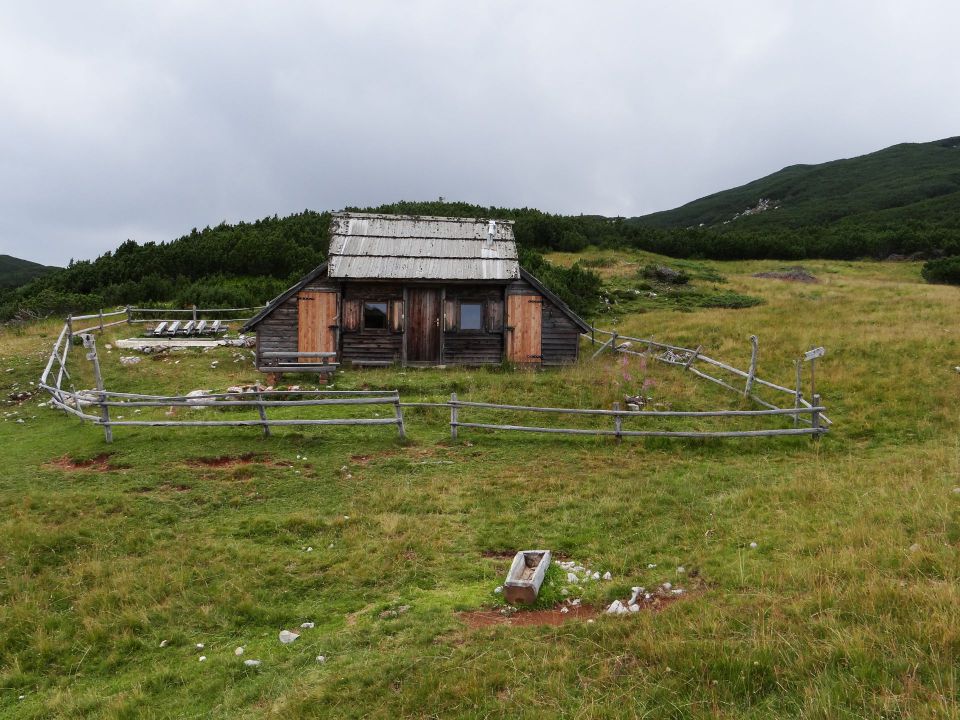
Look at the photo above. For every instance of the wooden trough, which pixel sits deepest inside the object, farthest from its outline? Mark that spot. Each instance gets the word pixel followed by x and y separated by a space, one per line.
pixel 526 576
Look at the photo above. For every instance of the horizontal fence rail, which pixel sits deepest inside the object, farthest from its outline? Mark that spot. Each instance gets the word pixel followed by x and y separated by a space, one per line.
pixel 815 411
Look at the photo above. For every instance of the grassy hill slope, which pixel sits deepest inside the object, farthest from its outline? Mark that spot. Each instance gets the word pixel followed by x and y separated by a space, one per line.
pixel 114 567
pixel 15 272
pixel 902 182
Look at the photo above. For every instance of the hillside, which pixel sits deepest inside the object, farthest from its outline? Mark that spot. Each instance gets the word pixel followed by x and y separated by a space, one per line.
pixel 819 579
pixel 905 182
pixel 15 272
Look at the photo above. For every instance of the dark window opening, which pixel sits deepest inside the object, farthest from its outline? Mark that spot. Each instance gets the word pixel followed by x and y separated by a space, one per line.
pixel 375 316
pixel 471 316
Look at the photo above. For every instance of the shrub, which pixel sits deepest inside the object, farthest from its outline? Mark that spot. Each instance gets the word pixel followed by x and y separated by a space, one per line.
pixel 945 270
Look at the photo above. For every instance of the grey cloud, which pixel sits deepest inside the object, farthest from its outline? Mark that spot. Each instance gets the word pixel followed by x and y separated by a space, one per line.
pixel 144 120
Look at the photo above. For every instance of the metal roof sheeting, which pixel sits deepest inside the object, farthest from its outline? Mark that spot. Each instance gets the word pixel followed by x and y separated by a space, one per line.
pixel 366 246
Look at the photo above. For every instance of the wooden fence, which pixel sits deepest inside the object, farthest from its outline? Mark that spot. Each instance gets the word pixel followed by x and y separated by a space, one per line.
pixel 618 417
pixel 104 402
pixel 688 358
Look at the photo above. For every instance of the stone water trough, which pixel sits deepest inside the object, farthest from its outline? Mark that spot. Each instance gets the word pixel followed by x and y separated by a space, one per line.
pixel 526 576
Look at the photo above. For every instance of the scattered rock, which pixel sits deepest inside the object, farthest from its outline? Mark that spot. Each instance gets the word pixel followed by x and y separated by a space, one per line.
pixel 199 646
pixel 252 663
pixel 915 547
pixel 753 545
pixel 203 658
pixel 287 637
pixel 129 359
pixel 163 643
pixel 681 570
pixel 321 659
pixel 307 625
pixel 238 652
pixel 607 576
pixel 498 589
pixel 571 578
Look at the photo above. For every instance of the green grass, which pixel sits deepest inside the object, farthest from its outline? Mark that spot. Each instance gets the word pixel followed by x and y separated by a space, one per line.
pixel 831 615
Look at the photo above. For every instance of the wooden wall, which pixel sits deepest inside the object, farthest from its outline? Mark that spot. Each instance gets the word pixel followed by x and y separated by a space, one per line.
pixel 559 337
pixel 278 331
pixel 379 346
pixel 474 347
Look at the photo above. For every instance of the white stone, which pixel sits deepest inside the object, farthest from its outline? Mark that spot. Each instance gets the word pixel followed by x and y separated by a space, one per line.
pixel 636 593
pixel 596 576
pixel 607 576
pixel 163 643
pixel 199 646
pixel 681 570
pixel 129 360
pixel 238 652
pixel 498 589
pixel 667 586
pixel 634 607
pixel 307 625
pixel 753 545
pixel 651 566
pixel 321 659
pixel 571 578
pixel 251 663
pixel 915 547
pixel 287 637
pixel 564 610
pixel 203 658
pixel 309 549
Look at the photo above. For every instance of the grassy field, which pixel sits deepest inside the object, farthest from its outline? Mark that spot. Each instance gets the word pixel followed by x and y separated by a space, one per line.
pixel 848 606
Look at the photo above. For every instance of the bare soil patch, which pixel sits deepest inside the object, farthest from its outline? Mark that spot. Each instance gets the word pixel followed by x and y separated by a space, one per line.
pixel 225 461
pixel 99 463
pixel 553 616
pixel 791 274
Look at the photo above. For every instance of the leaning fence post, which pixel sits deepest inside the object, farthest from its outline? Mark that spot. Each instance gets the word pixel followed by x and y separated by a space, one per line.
pixel 263 415
pixel 90 342
pixel 453 416
pixel 815 413
pixel 399 411
pixel 618 423
pixel 69 331
pixel 753 366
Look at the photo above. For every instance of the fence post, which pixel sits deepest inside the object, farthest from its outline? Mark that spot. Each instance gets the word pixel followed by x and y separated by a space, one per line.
pixel 798 394
pixel 753 366
pixel 618 423
pixel 453 416
pixel 90 343
pixel 69 330
pixel 816 417
pixel 399 411
pixel 263 415
pixel 194 313
pixel 129 315
pixel 101 319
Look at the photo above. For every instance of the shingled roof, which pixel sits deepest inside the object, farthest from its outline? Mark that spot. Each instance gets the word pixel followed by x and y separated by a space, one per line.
pixel 365 246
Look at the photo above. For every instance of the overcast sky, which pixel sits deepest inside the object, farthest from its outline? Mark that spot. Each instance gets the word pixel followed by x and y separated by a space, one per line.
pixel 143 120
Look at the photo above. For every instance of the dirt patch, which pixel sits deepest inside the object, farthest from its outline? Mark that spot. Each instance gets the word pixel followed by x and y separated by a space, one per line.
pixel 100 463
pixel 553 616
pixel 224 461
pixel 791 274
pixel 20 397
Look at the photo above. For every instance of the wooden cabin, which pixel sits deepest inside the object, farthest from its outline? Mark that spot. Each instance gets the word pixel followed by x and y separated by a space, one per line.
pixel 416 290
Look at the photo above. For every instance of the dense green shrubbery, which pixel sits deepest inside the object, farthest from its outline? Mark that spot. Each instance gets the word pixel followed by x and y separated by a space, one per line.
pixel 945 270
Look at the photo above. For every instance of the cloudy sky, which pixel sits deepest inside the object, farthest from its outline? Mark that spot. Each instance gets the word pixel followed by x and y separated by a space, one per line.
pixel 144 119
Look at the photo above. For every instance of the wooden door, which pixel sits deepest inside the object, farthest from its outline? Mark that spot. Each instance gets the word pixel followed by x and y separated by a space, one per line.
pixel 316 324
pixel 524 317
pixel 423 325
